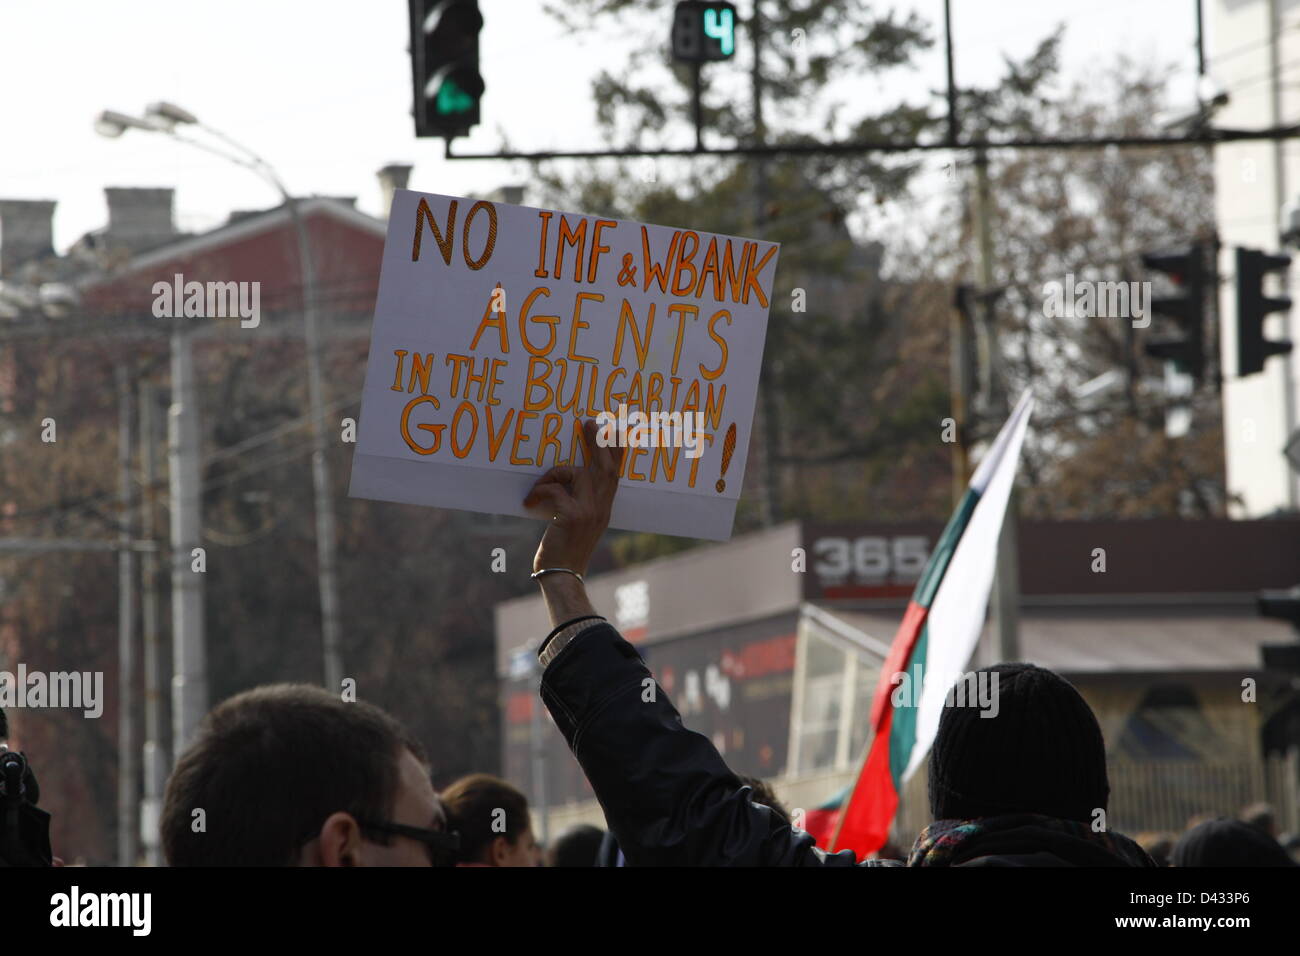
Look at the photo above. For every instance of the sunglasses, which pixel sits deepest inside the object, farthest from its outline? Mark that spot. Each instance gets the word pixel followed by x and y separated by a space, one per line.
pixel 442 846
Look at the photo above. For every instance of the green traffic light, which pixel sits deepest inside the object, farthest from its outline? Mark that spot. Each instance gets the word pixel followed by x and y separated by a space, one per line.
pixel 452 100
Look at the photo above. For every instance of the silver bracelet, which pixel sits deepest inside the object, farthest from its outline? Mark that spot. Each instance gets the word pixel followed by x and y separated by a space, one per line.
pixel 537 574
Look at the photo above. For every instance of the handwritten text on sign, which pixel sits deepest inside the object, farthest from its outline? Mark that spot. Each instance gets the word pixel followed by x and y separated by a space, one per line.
pixel 499 329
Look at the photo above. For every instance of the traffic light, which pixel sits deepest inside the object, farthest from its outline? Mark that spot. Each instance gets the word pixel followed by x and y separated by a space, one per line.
pixel 1185 268
pixel 704 31
pixel 1253 307
pixel 444 66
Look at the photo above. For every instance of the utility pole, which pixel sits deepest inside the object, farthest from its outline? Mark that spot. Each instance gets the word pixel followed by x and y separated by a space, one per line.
pixel 327 574
pixel 128 796
pixel 155 769
pixel 165 118
pixel 961 329
pixel 962 387
pixel 771 503
pixel 189 651
pixel 1006 584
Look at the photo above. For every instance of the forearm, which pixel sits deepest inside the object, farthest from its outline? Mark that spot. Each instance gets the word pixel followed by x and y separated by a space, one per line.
pixel 668 796
pixel 565 597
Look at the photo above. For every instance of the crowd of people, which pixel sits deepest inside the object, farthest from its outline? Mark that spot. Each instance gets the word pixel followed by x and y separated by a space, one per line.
pixel 292 775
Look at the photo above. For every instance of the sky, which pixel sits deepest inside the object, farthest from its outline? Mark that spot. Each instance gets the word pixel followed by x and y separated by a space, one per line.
pixel 322 89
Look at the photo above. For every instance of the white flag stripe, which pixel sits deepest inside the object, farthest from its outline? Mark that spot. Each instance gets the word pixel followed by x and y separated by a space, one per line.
pixel 980 480
pixel 957 613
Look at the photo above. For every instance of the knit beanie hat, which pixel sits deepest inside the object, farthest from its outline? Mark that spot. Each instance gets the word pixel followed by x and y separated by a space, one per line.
pixel 1042 753
pixel 1228 843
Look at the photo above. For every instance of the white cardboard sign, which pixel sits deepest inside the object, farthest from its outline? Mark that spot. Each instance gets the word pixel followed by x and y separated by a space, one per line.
pixel 499 328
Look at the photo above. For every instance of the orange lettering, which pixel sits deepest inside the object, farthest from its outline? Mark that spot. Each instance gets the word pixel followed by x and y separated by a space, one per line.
pixel 424 214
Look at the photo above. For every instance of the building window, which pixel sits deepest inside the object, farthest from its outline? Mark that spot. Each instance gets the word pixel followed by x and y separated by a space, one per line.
pixel 834 687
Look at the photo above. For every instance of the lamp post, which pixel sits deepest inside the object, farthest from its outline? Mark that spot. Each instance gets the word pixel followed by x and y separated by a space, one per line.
pixel 165 118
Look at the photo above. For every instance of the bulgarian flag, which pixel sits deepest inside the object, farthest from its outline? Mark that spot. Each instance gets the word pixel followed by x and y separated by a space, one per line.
pixel 822 821
pixel 934 643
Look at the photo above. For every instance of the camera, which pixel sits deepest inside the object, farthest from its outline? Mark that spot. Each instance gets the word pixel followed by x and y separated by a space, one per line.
pixel 24 827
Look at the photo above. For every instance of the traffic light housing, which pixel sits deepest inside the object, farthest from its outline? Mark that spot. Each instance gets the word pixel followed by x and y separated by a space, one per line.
pixel 704 31
pixel 1253 307
pixel 444 66
pixel 1186 269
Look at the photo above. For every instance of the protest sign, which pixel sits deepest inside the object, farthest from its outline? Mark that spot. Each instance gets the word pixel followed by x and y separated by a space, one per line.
pixel 498 329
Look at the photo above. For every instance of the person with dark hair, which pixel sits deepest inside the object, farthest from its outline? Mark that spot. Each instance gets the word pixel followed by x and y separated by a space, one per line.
pixel 1225 842
pixel 1262 818
pixel 1291 844
pixel 1027 787
pixel 579 845
pixel 890 851
pixel 1158 845
pixel 492 819
pixel 762 792
pixel 291 775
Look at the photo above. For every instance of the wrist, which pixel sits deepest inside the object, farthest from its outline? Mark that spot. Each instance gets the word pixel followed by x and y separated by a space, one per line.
pixel 542 572
pixel 570 564
pixel 565 597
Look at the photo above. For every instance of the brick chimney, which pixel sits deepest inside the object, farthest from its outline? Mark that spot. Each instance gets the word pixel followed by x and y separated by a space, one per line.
pixel 26 233
pixel 139 219
pixel 510 195
pixel 392 177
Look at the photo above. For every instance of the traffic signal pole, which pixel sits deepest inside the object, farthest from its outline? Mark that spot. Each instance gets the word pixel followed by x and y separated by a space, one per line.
pixel 1209 137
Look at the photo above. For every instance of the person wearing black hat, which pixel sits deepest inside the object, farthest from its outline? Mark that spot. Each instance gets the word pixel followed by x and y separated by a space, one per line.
pixel 1026 787
pixel 1224 842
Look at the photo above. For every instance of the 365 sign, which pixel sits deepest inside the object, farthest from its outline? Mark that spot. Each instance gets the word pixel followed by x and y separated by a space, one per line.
pixel 869 565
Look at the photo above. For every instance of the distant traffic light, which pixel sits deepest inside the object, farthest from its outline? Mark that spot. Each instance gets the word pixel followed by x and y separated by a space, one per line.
pixel 1253 307
pixel 704 31
pixel 1185 268
pixel 444 66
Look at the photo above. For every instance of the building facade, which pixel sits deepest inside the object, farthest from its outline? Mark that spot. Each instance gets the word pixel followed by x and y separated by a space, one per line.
pixel 772 646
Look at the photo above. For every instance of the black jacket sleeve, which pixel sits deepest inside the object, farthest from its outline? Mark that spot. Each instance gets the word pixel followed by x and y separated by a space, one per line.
pixel 667 794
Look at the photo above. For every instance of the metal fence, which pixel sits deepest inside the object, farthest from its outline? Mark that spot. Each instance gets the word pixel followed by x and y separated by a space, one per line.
pixel 1162 794
pixel 1166 794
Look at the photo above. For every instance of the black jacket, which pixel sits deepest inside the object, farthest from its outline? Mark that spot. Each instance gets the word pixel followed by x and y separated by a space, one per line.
pixel 671 800
pixel 667 794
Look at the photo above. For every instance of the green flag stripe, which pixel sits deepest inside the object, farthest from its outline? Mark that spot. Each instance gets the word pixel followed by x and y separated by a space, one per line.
pixel 902 731
pixel 938 564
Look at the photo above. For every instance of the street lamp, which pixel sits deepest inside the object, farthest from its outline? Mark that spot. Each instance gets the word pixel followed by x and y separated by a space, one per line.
pixel 169 115
pixel 113 124
pixel 165 118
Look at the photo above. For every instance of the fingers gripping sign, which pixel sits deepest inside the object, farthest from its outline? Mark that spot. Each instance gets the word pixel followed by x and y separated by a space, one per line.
pixel 579 502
